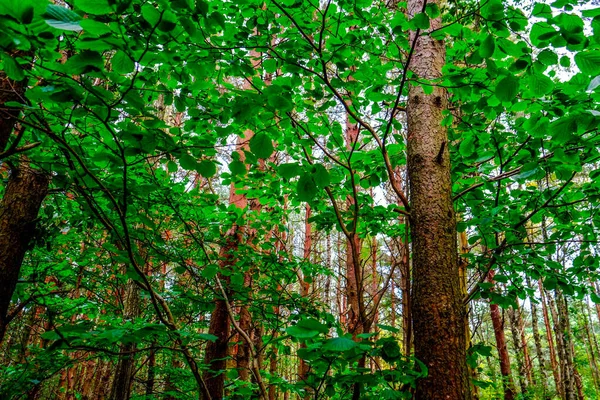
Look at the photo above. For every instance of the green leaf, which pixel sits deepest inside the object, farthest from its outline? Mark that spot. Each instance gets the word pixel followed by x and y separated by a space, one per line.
pixel 390 350
pixel 97 7
pixel 206 168
pixel 84 62
pixel 306 188
pixel 507 89
pixel 591 13
pixel 487 47
pixel 320 176
pixel 339 344
pixel 565 61
pixel 94 28
pixel 312 324
pixel 540 84
pixel 542 32
pixel 467 146
pixel 122 63
pixel 301 333
pixel 62 18
pixel 289 170
pixel 188 162
pixel 588 62
pixel 548 57
pixel 237 168
pixel 12 68
pixel 420 21
pixel 261 145
pixel 209 271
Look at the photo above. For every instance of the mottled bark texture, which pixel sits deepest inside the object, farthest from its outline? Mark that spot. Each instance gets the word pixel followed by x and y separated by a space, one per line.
pixel 438 310
pixel 121 386
pixel 217 351
pixel 21 203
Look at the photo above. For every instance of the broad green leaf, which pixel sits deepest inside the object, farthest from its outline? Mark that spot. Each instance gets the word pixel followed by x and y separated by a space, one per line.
pixel 320 176
pixel 548 57
pixel 420 21
pixel 62 18
pixel 540 84
pixel 207 168
pixel 289 170
pixel 209 271
pixel 237 167
pixel 542 32
pixel 122 63
pixel 588 62
pixel 261 145
pixel 207 336
pixel 84 62
pixel 339 344
pixel 507 89
pixel 300 332
pixel 487 47
pixel 12 68
pixel 188 162
pixel 306 188
pixel 312 324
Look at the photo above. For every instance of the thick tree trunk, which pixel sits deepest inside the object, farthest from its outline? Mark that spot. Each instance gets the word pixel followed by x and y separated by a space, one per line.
pixel 217 351
pixel 438 309
pixel 22 200
pixel 23 197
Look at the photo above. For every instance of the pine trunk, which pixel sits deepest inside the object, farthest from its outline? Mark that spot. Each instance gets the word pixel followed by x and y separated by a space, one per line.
pixel 438 309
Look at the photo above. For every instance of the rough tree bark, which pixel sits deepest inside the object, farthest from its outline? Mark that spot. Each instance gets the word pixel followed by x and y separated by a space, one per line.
pixel 438 310
pixel 23 196
pixel 123 378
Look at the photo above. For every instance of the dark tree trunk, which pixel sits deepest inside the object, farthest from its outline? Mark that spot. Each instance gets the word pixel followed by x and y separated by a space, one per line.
pixel 23 197
pixel 121 386
pixel 438 309
pixel 22 200
pixel 217 351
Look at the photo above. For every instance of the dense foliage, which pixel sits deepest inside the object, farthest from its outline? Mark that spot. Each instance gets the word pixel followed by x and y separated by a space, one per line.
pixel 203 151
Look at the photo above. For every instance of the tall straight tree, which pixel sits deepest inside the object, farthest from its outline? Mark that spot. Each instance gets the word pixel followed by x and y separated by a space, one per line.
pixel 23 196
pixel 437 301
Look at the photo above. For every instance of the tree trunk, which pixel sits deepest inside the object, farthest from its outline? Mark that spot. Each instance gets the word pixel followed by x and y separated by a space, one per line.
pixel 519 350
pixel 217 351
pixel 121 386
pixel 22 200
pixel 438 309
pixel 498 324
pixel 551 348
pixel 539 350
pixel 561 329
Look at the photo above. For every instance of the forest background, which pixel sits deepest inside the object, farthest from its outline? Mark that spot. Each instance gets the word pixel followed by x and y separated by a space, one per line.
pixel 299 199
